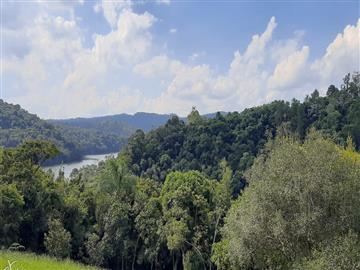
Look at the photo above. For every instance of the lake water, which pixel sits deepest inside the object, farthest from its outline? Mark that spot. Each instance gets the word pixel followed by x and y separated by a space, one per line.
pixel 88 160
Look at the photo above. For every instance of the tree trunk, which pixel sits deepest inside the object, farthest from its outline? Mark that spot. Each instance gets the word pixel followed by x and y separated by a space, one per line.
pixel 136 245
pixel 176 262
pixel 214 239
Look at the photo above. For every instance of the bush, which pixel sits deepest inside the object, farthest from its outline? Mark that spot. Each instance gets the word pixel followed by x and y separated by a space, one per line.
pixel 16 247
pixel 299 195
pixel 338 254
pixel 57 240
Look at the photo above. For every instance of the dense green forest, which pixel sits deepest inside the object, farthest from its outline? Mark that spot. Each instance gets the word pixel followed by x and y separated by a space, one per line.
pixel 272 187
pixel 202 143
pixel 17 126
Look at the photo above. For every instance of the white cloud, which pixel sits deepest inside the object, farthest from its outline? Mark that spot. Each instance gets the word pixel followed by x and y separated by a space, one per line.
pixel 200 86
pixel 112 10
pixel 159 66
pixel 290 71
pixel 342 55
pixel 129 41
pixel 173 30
pixel 281 49
pixel 250 79
pixel 51 72
pixel 57 76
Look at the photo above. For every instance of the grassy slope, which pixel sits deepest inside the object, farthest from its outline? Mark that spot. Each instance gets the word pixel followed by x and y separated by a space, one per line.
pixel 27 261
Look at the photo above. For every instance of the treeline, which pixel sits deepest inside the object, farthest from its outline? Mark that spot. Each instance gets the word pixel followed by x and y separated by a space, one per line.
pixel 17 126
pixel 202 143
pixel 299 209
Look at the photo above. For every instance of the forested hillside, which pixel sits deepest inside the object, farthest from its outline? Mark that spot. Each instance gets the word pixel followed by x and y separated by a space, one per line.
pixel 238 137
pixel 17 126
pixel 124 124
pixel 120 124
pixel 272 187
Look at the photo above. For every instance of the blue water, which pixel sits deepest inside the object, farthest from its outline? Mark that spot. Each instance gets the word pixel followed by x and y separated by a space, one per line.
pixel 88 160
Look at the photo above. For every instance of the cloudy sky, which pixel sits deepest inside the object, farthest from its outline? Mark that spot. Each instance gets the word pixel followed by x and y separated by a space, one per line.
pixel 63 59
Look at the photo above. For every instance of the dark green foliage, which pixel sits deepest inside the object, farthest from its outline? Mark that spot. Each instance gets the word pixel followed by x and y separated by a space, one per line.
pixel 187 199
pixel 17 126
pixel 91 142
pixel 299 197
pixel 336 254
pixel 34 193
pixel 11 204
pixel 239 137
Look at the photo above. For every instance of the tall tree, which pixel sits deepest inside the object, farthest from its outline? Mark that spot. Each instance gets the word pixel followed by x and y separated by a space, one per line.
pixel 187 198
pixel 299 195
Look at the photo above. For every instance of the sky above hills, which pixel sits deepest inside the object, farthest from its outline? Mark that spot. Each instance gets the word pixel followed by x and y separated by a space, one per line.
pixel 85 58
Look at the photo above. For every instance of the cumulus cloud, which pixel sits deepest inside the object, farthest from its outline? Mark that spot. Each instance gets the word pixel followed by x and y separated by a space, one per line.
pixel 342 55
pixel 56 75
pixel 290 71
pixel 159 66
pixel 200 85
pixel 49 70
pixel 249 81
pixel 112 10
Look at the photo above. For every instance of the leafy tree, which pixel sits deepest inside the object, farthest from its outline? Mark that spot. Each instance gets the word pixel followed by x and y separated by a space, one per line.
pixel 222 203
pixel 117 235
pixel 194 117
pixel 95 249
pixel 36 152
pixel 116 178
pixel 57 240
pixel 148 223
pixel 20 167
pixel 298 195
pixel 336 254
pixel 11 209
pixel 186 199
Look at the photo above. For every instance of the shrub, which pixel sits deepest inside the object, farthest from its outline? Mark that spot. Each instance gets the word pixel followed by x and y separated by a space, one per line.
pixel 57 240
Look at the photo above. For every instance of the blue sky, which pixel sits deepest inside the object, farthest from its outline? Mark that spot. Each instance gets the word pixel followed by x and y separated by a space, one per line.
pixel 85 58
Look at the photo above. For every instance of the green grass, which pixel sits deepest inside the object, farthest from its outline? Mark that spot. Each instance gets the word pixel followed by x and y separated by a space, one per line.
pixel 28 261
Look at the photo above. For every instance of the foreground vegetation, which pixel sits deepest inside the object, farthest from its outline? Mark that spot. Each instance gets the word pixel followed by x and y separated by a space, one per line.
pixel 27 261
pixel 275 187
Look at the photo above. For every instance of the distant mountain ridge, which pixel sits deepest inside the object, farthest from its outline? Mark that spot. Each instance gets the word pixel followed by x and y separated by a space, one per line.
pixel 121 124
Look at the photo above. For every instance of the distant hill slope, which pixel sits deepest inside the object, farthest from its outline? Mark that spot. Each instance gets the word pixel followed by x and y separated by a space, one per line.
pixel 18 125
pixel 121 124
